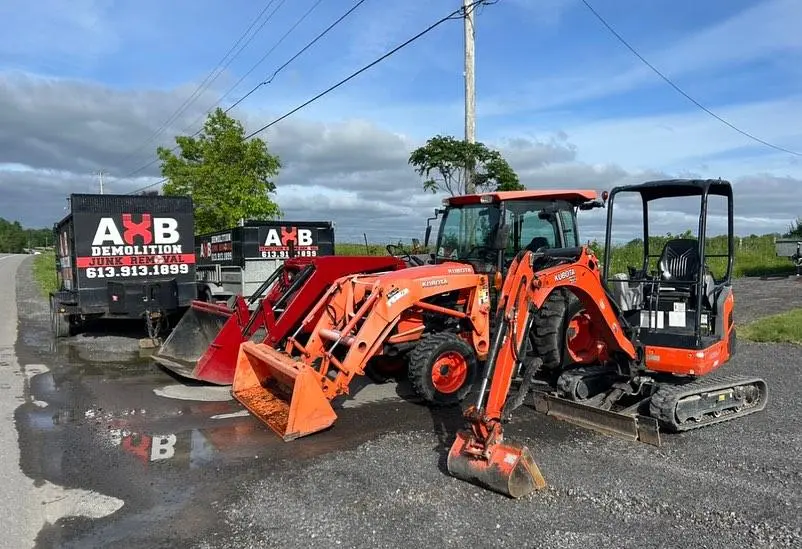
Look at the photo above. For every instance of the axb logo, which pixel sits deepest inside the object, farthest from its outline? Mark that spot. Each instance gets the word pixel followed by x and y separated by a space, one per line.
pixel 301 237
pixel 149 230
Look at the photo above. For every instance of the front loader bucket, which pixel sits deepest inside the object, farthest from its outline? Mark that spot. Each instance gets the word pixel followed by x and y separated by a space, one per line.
pixel 283 393
pixel 507 469
pixel 192 339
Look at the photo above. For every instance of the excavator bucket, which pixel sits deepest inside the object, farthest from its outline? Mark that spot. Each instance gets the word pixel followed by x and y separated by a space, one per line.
pixel 505 468
pixel 204 343
pixel 283 393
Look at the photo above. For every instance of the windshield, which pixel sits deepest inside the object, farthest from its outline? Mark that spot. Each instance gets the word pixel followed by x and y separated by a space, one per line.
pixel 468 232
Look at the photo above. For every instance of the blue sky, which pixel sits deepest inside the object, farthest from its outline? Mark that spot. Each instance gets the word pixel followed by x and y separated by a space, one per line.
pixel 83 89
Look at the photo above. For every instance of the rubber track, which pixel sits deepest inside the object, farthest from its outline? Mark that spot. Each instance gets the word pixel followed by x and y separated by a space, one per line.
pixel 567 381
pixel 664 400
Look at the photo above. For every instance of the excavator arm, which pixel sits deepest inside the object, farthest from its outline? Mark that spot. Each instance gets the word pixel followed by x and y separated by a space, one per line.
pixel 479 454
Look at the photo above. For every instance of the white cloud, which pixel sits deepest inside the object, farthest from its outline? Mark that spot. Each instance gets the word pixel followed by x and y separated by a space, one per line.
pixel 55 132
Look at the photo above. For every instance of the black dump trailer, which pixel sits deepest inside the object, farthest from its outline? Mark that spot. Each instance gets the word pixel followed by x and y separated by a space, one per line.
pixel 237 261
pixel 123 257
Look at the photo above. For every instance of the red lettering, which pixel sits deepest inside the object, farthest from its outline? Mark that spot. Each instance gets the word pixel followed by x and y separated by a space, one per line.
pixel 289 235
pixel 141 229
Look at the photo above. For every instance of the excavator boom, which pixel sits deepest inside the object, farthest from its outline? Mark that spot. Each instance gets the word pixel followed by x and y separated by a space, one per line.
pixel 479 454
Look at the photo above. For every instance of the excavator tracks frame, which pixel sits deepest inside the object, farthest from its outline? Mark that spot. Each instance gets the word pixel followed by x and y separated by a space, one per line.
pixel 723 398
pixel 666 407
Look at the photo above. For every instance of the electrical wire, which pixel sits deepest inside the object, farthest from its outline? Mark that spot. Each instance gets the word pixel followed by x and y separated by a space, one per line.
pixel 678 89
pixel 366 67
pixel 211 77
pixel 267 80
pixel 450 16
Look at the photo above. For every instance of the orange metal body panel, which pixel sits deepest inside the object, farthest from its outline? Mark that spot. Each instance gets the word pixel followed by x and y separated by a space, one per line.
pixel 291 390
pixel 571 195
pixel 694 362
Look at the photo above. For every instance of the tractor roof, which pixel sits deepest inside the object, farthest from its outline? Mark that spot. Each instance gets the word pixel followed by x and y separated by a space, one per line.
pixel 672 188
pixel 570 195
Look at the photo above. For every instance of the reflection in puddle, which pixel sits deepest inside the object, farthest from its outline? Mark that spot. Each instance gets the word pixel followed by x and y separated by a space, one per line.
pixel 188 449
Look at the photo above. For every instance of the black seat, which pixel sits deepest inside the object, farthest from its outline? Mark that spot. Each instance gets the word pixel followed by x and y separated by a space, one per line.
pixel 680 261
pixel 536 243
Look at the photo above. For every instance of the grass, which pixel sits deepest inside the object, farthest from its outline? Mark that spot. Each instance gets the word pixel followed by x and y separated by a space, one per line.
pixel 44 271
pixel 781 328
pixel 754 255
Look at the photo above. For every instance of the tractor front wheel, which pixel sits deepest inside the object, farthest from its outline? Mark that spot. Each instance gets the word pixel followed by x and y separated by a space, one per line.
pixel 442 368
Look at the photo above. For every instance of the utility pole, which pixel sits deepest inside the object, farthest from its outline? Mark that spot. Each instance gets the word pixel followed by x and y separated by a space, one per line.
pixel 470 92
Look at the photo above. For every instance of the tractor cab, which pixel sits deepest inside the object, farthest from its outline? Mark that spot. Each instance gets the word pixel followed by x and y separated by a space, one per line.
pixel 679 293
pixel 487 230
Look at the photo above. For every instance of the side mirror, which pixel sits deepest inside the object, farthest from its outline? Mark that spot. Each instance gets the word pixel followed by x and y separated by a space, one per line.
pixel 426 237
pixel 592 204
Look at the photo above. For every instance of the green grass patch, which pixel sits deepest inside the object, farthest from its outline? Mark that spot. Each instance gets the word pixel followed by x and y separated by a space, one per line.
pixel 780 328
pixel 44 272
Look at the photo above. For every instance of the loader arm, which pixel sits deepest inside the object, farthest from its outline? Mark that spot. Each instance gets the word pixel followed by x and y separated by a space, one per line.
pixel 291 390
pixel 479 454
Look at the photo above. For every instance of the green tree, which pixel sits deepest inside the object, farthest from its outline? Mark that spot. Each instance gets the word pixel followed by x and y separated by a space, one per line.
pixel 228 177
pixel 795 229
pixel 444 161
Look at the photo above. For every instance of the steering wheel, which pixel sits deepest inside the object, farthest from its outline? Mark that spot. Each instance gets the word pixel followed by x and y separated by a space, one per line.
pixel 483 252
pixel 403 254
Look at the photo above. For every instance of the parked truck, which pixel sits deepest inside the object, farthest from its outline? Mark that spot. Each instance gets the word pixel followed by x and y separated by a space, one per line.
pixel 237 261
pixel 123 257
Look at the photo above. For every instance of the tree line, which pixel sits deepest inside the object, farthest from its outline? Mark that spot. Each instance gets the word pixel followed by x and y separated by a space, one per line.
pixel 14 239
pixel 230 177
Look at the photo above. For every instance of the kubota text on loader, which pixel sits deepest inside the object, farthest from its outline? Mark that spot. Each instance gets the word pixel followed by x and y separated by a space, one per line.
pixel 438 313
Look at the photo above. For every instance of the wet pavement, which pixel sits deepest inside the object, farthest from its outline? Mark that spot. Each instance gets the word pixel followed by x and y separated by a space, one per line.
pixel 99 415
pixel 116 452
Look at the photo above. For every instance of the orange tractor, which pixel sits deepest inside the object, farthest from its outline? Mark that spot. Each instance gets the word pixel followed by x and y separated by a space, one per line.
pixel 434 318
pixel 659 337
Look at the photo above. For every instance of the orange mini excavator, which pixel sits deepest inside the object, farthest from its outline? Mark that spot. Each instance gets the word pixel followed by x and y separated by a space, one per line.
pixel 659 339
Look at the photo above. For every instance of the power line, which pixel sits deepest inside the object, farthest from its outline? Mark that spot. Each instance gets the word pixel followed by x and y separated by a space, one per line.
pixel 368 66
pixel 280 40
pixel 678 89
pixel 204 85
pixel 294 57
pixel 267 80
pixel 353 75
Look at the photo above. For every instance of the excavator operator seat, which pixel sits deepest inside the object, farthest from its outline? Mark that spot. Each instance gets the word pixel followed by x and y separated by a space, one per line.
pixel 679 260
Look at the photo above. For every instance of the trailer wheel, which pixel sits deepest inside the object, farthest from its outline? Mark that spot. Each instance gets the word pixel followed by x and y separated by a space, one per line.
pixel 442 368
pixel 60 323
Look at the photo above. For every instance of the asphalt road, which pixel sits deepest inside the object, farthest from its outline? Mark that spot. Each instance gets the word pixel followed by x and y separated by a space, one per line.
pixel 131 456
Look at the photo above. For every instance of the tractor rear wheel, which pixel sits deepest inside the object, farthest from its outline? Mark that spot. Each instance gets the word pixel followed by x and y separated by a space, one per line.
pixel 551 335
pixel 442 368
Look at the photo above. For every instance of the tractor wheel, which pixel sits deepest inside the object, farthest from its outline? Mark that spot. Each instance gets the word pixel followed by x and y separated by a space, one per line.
pixel 560 325
pixel 60 323
pixel 442 368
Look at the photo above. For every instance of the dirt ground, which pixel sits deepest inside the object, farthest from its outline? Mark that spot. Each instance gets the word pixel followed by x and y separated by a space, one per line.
pixel 195 472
